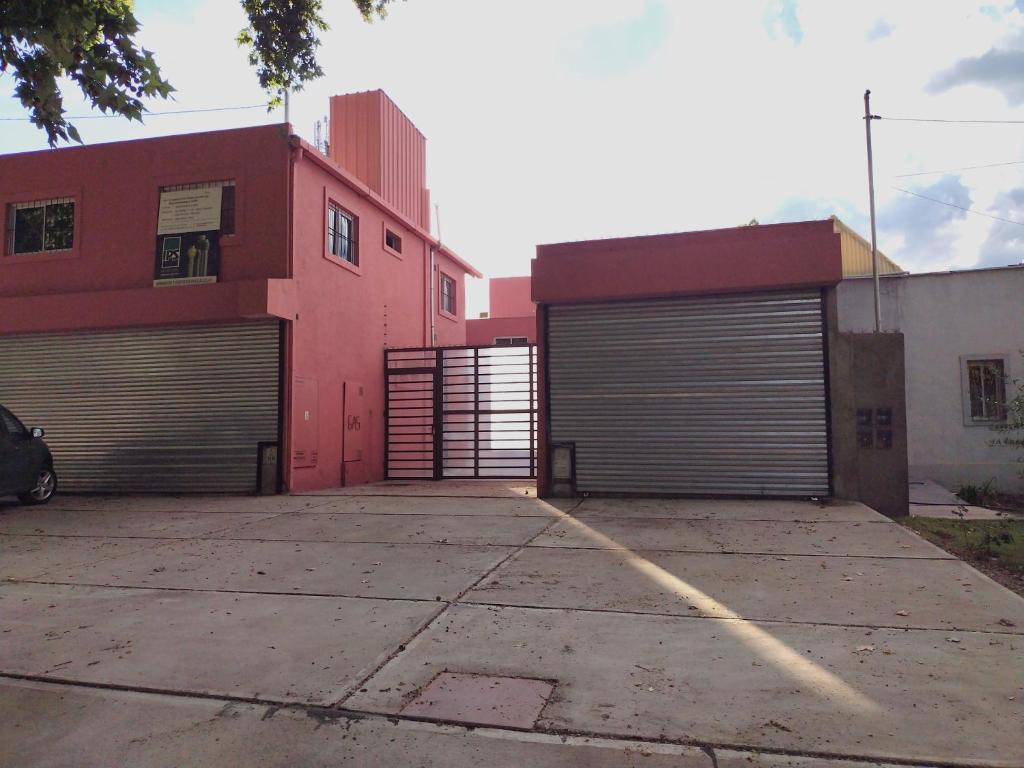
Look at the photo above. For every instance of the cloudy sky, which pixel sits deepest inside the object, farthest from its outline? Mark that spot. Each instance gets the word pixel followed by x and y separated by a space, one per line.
pixel 577 119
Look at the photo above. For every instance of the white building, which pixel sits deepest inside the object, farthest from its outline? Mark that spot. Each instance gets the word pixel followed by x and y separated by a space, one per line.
pixel 964 334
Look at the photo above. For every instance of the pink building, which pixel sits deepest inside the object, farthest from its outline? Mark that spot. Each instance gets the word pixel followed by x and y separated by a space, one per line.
pixel 512 315
pixel 209 311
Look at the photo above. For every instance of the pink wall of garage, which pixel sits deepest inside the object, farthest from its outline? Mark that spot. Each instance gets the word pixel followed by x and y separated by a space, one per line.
pixel 511 297
pixel 347 316
pixel 742 259
pixel 761 257
pixel 512 312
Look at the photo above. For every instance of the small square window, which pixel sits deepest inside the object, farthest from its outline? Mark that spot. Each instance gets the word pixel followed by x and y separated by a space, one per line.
pixel 341 234
pixel 38 227
pixel 984 389
pixel 448 294
pixel 392 241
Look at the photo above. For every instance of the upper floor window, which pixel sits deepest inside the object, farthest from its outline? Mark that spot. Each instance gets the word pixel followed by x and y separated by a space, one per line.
pixel 40 226
pixel 392 241
pixel 341 234
pixel 985 388
pixel 447 294
pixel 227 201
pixel 511 341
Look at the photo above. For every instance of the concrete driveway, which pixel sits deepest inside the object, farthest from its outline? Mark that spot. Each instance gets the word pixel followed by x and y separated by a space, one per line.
pixel 470 624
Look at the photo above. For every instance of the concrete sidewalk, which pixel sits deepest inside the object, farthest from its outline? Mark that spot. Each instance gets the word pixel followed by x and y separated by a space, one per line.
pixel 308 630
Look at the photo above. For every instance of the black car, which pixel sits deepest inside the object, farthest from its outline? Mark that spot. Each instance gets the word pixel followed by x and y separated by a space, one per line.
pixel 26 466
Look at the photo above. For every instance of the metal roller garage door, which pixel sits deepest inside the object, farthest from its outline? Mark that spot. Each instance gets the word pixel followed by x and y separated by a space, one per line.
pixel 718 395
pixel 149 410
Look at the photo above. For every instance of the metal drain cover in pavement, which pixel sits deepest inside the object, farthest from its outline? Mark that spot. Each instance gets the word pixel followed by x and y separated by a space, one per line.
pixel 511 702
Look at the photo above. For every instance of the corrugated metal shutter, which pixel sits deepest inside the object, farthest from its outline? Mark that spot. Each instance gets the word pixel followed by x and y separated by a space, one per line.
pixel 706 395
pixel 171 409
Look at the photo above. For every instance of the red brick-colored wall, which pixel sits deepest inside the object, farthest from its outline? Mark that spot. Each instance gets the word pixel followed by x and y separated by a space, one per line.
pixel 511 297
pixel 764 257
pixel 373 139
pixel 106 279
pixel 116 188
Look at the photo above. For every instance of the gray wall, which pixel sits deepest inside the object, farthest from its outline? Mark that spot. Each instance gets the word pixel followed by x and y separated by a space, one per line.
pixel 945 316
pixel 866 377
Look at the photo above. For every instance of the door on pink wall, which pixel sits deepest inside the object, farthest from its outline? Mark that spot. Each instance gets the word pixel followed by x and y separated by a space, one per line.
pixel 354 426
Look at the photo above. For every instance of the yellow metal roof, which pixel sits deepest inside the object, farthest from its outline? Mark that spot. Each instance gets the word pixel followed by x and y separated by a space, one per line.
pixel 856 253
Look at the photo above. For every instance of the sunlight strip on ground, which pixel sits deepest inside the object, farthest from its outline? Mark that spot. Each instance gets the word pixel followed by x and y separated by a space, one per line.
pixel 769 648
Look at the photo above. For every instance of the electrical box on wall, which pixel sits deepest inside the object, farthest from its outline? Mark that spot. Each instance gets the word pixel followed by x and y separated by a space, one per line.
pixel 305 452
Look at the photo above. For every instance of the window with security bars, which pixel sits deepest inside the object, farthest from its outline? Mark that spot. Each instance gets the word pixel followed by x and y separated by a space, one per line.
pixel 41 226
pixel 511 341
pixel 986 390
pixel 341 234
pixel 448 294
pixel 227 201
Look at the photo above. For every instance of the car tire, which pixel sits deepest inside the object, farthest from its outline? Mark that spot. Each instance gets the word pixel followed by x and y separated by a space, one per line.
pixel 46 488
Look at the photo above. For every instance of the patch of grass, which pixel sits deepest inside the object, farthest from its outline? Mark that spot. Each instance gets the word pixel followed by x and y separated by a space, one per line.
pixel 977 494
pixel 995 541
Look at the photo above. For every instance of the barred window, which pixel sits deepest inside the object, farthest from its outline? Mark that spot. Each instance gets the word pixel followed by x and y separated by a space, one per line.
pixel 341 234
pixel 986 390
pixel 41 225
pixel 227 200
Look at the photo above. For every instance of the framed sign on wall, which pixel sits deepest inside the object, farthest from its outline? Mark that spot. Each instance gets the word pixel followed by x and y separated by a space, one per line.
pixel 188 237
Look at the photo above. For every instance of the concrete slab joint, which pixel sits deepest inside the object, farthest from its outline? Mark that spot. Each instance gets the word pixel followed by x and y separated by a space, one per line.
pixel 484 629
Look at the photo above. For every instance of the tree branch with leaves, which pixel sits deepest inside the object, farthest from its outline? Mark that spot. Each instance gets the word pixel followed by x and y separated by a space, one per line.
pixel 283 43
pixel 1013 430
pixel 93 44
pixel 90 42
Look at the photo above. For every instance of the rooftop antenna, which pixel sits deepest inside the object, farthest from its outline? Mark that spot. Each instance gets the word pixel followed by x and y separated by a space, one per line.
pixel 437 218
pixel 327 136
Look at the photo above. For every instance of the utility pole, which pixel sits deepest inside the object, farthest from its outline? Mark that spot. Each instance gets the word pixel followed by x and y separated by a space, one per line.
pixel 868 117
pixel 286 120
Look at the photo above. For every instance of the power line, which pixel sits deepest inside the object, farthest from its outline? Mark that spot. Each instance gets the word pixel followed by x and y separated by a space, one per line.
pixel 952 170
pixel 939 120
pixel 960 207
pixel 149 114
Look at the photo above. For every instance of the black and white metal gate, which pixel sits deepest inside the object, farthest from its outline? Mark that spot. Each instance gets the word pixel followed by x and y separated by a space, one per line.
pixel 461 412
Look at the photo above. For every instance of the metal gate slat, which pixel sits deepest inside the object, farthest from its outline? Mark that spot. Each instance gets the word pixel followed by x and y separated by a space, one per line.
pixel 476 407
